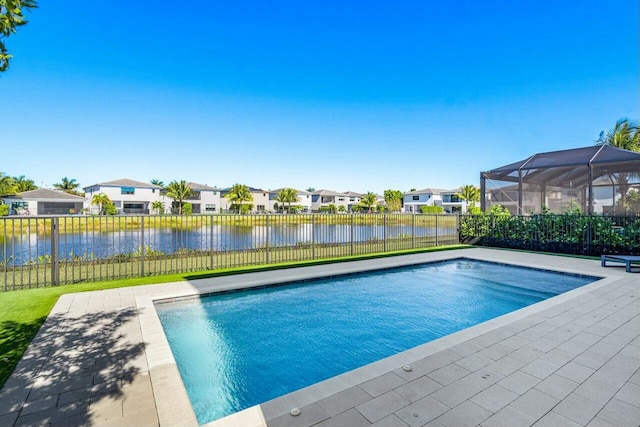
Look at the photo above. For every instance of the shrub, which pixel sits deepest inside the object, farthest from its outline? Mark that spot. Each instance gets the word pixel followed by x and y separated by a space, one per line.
pixel 431 209
pixel 110 209
pixel 4 210
pixel 187 209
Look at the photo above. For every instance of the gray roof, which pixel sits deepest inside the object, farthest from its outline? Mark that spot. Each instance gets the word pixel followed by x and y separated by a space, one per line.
pixel 454 191
pixel 427 191
pixel 277 190
pixel 353 194
pixel 125 182
pixel 327 193
pixel 201 187
pixel 46 194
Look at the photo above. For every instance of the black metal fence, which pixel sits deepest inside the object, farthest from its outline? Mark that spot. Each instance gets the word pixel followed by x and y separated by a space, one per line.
pixel 559 233
pixel 44 251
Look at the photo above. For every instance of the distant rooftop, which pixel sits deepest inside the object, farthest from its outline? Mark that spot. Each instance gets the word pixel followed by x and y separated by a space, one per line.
pixel 125 182
pixel 327 193
pixel 45 193
pixel 201 187
pixel 427 191
pixel 277 190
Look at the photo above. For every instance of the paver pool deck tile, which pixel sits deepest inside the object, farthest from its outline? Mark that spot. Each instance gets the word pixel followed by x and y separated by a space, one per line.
pixel 101 359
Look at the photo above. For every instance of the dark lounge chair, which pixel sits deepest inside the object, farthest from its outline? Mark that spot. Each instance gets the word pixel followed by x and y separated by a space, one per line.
pixel 627 260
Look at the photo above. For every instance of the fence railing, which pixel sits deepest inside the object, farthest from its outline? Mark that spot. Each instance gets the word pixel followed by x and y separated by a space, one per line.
pixel 559 233
pixel 45 251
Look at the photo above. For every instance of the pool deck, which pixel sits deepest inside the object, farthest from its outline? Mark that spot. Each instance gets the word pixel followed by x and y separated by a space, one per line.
pixel 101 359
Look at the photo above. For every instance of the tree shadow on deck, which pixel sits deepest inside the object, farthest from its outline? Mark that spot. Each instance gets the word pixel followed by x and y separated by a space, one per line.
pixel 78 370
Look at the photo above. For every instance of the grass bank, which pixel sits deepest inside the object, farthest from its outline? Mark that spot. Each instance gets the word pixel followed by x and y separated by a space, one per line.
pixel 22 312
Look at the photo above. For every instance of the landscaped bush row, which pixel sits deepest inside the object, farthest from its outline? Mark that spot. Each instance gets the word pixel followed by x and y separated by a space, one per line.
pixel 563 233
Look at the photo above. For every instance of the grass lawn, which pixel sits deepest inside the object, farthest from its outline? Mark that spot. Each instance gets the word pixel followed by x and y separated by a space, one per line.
pixel 23 312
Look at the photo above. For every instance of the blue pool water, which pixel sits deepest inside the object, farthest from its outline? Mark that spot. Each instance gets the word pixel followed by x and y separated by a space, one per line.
pixel 240 349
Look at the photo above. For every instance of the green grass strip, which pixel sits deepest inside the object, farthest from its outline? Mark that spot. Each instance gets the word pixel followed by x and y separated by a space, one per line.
pixel 23 312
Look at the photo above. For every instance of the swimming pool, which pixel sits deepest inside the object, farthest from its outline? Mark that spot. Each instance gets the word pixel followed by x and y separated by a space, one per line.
pixel 240 349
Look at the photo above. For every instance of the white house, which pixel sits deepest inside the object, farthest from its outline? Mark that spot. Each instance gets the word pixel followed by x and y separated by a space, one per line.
pixel 44 202
pixel 324 198
pixel 205 199
pixel 353 199
pixel 128 196
pixel 304 200
pixel 414 200
pixel 260 199
pixel 452 203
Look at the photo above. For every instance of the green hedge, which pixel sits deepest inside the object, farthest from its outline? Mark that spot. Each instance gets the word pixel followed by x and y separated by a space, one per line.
pixel 563 233
pixel 4 210
pixel 431 209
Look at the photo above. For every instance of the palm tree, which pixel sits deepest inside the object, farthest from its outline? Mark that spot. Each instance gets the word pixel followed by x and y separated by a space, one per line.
pixel 68 186
pixel 157 182
pixel 288 196
pixel 7 185
pixel 626 135
pixel 239 194
pixel 179 191
pixel 158 206
pixel 369 200
pixel 24 184
pixel 470 193
pixel 102 201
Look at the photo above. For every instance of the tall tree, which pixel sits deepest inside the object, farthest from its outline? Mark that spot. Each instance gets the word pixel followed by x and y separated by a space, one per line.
pixel 626 135
pixel 157 182
pixel 311 189
pixel 68 186
pixel 7 185
pixel 23 184
pixel 369 200
pixel 393 200
pixel 102 201
pixel 288 196
pixel 239 194
pixel 179 191
pixel 11 17
pixel 470 194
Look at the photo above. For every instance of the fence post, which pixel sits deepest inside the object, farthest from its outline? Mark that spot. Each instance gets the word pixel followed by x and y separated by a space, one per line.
pixel 267 238
pixel 384 232
pixel 55 238
pixel 437 229
pixel 313 236
pixel 5 260
pixel 211 242
pixel 142 246
pixel 589 236
pixel 413 231
pixel 351 232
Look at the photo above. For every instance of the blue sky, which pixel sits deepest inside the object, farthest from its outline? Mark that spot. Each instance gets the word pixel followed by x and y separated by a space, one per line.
pixel 358 95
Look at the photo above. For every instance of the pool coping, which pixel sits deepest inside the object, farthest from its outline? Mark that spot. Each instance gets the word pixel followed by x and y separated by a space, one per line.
pixel 101 359
pixel 260 415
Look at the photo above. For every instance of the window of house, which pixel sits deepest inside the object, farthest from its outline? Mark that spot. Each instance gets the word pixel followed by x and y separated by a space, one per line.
pixel 341 199
pixel 153 190
pixel 209 208
pixel 127 190
pixel 415 198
